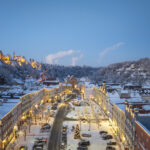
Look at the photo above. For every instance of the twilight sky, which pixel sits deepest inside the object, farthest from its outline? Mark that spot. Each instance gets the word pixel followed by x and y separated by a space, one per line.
pixel 76 32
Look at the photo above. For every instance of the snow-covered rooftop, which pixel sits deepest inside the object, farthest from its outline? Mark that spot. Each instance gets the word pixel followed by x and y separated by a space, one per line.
pixel 66 84
pixel 121 106
pixel 7 107
pixel 129 84
pixel 146 107
pixel 124 91
pixel 116 86
pixel 89 85
pixel 82 79
pixel 115 98
pixel 52 86
pixel 142 115
pixel 144 122
pixel 18 81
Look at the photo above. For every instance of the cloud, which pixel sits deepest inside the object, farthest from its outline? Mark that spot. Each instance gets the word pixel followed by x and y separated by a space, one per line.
pixel 75 59
pixel 54 58
pixel 108 49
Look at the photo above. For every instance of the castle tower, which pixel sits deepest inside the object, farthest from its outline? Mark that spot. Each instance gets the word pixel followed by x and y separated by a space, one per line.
pixel 1 55
pixel 104 85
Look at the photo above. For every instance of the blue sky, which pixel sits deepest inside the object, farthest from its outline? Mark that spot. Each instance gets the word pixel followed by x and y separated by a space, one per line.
pixel 76 32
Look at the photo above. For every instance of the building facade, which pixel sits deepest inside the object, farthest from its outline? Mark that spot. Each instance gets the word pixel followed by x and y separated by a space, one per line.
pixel 142 137
pixel 11 122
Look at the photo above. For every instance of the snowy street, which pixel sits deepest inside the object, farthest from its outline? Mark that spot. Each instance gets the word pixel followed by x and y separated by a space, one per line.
pixel 54 139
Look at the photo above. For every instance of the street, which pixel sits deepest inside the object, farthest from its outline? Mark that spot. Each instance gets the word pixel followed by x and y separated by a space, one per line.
pixel 55 135
pixel 54 139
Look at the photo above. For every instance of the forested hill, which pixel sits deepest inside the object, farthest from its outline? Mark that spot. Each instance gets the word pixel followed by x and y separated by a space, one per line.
pixel 137 72
pixel 14 71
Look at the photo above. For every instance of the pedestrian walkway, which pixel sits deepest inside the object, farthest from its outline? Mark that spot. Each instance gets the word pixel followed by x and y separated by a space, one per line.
pixel 120 144
pixel 26 137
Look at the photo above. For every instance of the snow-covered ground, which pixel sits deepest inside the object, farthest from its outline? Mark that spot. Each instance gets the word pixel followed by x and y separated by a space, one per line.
pixel 97 143
pixel 6 107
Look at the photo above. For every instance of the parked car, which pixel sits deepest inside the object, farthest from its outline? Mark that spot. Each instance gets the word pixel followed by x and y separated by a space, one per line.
pixel 23 147
pixel 84 143
pixel 55 104
pixel 64 132
pixel 45 127
pixel 62 146
pixel 86 135
pixel 111 143
pixel 44 130
pixel 110 148
pixel 38 148
pixel 107 137
pixel 82 148
pixel 42 140
pixel 64 135
pixel 54 107
pixel 103 132
pixel 64 128
pixel 39 143
pixel 59 100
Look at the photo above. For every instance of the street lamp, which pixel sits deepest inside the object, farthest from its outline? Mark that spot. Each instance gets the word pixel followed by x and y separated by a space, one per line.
pixel 79 114
pixel 36 106
pixel 42 108
pixel 29 120
pixel 42 101
pixel 15 131
pixel 25 133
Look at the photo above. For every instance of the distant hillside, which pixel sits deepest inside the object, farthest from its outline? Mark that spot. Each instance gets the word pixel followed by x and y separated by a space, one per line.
pixel 62 72
pixel 14 71
pixel 17 67
pixel 136 72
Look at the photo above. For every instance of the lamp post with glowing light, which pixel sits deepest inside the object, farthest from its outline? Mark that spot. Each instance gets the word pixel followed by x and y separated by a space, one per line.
pixel 36 106
pixel 41 106
pixel 15 131
pixel 79 114
pixel 29 121
pixel 23 118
